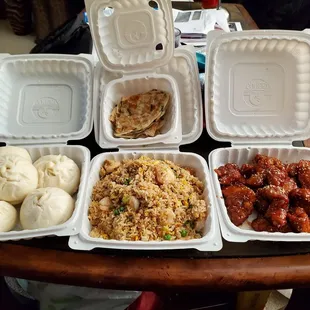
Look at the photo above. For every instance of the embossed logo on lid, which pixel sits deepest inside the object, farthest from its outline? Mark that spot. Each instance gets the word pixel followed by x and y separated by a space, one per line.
pixel 257 92
pixel 45 107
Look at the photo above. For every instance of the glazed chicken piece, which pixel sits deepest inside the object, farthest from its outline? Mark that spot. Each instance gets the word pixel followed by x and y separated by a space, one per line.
pixel 262 224
pixel 299 220
pixel 229 175
pixel 279 177
pixel 264 162
pixel 276 176
pixel 273 202
pixel 256 180
pixel 261 204
pixel 253 178
pixel 271 192
pixel 292 169
pixel 304 173
pixel 239 201
pixel 289 185
pixel 277 212
pixel 247 170
pixel 300 197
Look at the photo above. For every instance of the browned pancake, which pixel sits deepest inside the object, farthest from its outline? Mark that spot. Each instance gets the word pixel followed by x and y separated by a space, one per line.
pixel 140 114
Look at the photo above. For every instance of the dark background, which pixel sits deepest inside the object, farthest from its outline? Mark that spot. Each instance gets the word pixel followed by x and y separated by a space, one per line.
pixel 278 14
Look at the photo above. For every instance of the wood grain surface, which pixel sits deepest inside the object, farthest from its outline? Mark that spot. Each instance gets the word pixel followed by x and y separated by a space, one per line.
pixel 156 274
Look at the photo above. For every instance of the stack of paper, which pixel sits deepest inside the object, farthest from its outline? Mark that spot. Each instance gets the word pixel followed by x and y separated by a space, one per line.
pixel 196 24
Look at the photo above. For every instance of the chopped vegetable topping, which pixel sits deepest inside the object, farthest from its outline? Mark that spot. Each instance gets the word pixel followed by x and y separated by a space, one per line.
pixel 116 212
pixel 167 237
pixel 122 209
pixel 190 223
pixel 125 199
pixel 127 181
pixel 183 233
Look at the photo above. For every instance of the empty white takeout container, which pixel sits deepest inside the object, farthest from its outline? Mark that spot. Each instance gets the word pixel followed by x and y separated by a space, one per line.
pixel 45 101
pixel 133 38
pixel 257 98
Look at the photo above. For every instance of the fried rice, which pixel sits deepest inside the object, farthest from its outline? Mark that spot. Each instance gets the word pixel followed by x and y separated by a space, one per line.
pixel 146 199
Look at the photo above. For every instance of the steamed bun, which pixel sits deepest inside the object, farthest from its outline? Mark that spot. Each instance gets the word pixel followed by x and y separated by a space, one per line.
pixel 18 177
pixel 8 216
pixel 15 151
pixel 46 207
pixel 58 171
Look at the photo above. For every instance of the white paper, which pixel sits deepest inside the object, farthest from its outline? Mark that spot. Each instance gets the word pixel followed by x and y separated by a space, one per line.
pixel 200 21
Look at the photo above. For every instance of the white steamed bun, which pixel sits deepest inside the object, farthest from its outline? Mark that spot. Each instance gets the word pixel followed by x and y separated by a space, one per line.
pixel 58 171
pixel 8 216
pixel 46 207
pixel 18 177
pixel 15 151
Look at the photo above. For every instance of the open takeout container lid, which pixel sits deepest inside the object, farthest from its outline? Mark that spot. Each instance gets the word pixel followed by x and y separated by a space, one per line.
pixel 132 36
pixel 258 86
pixel 45 99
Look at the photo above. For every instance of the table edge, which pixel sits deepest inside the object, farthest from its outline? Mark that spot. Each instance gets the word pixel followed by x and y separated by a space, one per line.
pixel 156 274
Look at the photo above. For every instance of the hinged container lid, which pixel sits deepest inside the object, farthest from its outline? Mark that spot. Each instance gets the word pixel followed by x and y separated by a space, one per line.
pixel 183 68
pixel 258 86
pixel 132 35
pixel 45 99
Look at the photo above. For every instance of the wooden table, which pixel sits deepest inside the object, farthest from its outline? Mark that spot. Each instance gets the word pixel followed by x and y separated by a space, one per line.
pixel 248 266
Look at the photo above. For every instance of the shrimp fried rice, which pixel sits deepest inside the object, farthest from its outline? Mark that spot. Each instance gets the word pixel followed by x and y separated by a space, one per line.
pixel 146 199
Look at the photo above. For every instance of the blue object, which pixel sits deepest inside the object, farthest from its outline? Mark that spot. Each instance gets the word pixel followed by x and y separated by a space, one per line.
pixel 201 60
pixel 85 17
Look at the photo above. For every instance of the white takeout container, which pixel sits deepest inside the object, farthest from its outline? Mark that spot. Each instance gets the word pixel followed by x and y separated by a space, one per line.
pixel 211 240
pixel 257 98
pixel 127 35
pixel 183 68
pixel 45 101
pixel 115 90
pixel 180 67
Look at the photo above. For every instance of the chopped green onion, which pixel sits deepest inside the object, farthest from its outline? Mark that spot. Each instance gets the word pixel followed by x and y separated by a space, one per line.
pixel 127 181
pixel 116 212
pixel 122 209
pixel 190 223
pixel 167 237
pixel 183 233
